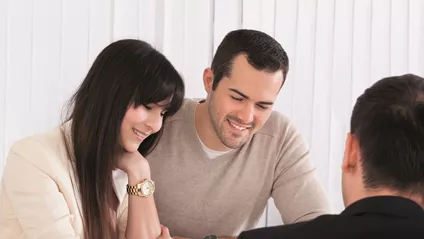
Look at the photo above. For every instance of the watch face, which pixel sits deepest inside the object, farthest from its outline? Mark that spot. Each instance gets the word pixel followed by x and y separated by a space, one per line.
pixel 148 188
pixel 210 237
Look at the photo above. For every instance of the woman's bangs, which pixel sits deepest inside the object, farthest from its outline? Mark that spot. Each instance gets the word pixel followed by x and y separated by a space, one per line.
pixel 161 89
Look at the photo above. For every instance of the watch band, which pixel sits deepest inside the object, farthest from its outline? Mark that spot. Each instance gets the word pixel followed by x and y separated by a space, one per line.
pixel 132 190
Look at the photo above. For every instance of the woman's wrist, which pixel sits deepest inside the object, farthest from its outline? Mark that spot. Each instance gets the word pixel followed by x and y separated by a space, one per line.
pixel 136 176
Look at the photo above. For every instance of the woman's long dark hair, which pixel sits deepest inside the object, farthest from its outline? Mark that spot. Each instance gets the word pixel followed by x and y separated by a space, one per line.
pixel 126 72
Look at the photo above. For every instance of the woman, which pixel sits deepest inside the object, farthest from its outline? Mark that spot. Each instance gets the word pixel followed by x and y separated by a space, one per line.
pixel 60 184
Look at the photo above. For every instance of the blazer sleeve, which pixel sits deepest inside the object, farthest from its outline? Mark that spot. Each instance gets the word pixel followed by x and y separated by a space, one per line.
pixel 297 190
pixel 29 184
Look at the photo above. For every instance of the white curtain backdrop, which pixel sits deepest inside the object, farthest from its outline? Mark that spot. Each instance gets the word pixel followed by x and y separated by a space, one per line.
pixel 336 50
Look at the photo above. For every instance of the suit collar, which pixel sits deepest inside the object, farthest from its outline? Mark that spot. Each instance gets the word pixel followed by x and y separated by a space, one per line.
pixel 388 205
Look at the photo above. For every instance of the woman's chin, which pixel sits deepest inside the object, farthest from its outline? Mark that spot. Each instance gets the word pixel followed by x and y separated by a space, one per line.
pixel 131 148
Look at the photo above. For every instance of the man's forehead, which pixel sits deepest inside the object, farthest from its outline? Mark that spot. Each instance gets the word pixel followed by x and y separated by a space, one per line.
pixel 241 70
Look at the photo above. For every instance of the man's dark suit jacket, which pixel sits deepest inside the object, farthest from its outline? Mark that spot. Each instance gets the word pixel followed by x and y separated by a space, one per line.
pixel 374 217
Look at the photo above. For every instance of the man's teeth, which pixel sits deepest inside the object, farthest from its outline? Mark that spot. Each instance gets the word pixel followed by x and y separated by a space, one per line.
pixel 236 126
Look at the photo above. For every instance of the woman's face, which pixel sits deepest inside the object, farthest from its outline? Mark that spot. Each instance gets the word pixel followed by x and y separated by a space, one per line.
pixel 140 122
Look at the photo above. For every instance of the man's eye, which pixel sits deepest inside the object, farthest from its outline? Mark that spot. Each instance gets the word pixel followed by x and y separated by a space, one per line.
pixel 235 98
pixel 262 107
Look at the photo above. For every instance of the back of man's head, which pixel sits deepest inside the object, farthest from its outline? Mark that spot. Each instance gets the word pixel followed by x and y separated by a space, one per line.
pixel 263 52
pixel 388 122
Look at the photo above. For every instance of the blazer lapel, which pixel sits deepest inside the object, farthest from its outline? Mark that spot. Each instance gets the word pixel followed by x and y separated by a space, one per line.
pixel 120 181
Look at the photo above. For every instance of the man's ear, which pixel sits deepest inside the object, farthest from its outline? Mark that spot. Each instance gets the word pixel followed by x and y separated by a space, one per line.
pixel 352 154
pixel 208 80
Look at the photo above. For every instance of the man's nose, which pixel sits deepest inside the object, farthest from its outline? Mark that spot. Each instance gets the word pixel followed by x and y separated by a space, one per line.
pixel 246 114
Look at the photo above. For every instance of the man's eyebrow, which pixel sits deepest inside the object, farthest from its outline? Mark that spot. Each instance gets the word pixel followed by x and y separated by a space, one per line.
pixel 247 97
pixel 238 92
pixel 265 103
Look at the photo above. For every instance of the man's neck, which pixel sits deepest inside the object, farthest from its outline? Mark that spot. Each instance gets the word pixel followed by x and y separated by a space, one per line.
pixel 205 129
pixel 389 192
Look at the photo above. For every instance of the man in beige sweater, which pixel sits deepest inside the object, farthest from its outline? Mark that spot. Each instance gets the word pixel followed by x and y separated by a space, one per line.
pixel 221 159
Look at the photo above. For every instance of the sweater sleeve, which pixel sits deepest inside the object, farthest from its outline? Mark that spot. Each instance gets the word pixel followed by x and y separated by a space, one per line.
pixel 297 191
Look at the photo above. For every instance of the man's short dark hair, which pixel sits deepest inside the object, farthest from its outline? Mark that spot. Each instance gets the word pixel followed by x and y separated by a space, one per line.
pixel 263 53
pixel 388 120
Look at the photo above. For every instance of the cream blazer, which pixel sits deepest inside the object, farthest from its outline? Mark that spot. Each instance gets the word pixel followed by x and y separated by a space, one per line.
pixel 38 194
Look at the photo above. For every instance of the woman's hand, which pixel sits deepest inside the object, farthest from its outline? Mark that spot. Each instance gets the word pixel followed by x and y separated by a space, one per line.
pixel 135 166
pixel 165 233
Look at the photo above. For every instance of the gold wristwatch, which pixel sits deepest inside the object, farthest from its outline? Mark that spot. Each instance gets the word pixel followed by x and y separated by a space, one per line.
pixel 143 189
